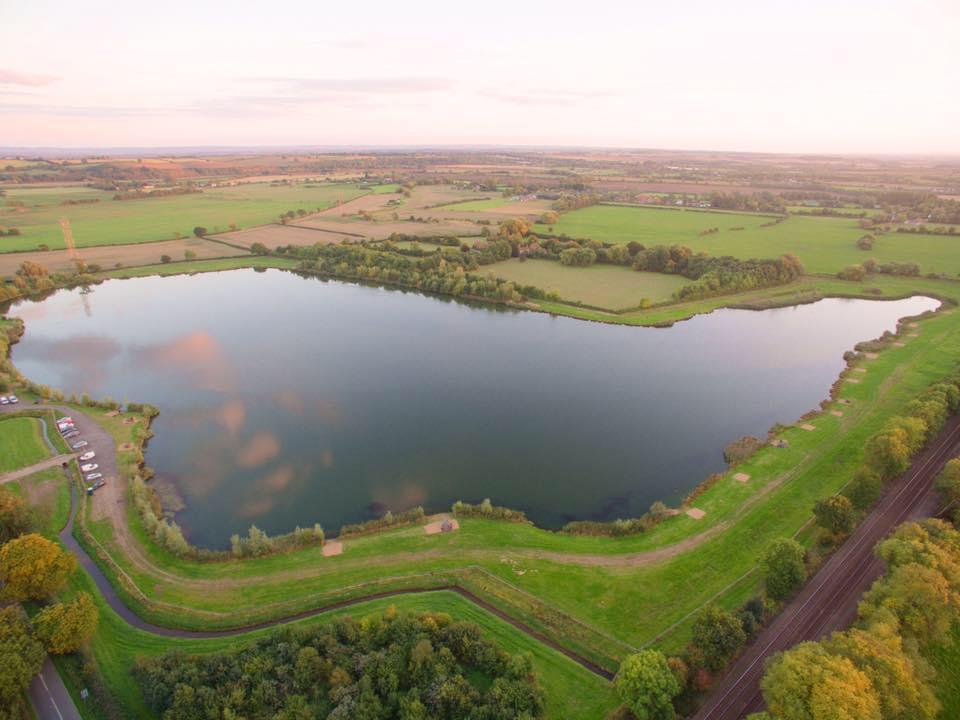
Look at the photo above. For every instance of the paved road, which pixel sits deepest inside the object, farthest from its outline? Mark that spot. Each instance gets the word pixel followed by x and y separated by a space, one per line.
pixel 829 600
pixel 49 695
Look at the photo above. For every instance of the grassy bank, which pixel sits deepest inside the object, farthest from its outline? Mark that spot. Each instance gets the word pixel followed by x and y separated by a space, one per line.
pixel 21 443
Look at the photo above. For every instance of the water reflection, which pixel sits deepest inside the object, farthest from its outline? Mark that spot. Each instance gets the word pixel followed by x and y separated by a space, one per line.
pixel 302 401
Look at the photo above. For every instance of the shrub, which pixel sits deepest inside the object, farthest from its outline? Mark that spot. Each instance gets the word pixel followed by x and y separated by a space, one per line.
pixel 488 510
pixel 783 568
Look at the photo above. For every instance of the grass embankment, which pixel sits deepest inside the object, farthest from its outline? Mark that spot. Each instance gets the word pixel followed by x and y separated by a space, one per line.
pixel 583 590
pixel 946 659
pixel 198 266
pixel 823 244
pixel 21 443
pixel 120 222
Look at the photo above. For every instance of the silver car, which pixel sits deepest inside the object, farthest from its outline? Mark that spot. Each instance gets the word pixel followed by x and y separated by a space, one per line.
pixel 89 467
pixel 79 444
pixel 94 476
pixel 87 455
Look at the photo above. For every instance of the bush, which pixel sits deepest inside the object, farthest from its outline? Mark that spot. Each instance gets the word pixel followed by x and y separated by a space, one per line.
pixel 199 231
pixel 855 273
pixel 488 510
pixel 783 568
pixel 407 517
pixel 165 259
pixel 741 449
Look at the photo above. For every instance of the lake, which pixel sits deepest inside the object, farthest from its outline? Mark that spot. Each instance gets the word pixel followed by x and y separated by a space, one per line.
pixel 287 400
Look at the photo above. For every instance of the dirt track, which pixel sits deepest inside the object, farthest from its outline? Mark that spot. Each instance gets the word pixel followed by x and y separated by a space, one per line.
pixel 829 600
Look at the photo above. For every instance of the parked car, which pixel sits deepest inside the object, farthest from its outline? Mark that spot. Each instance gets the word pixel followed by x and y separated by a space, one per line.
pixel 4 400
pixel 96 486
pixel 13 399
pixel 87 456
pixel 71 434
pixel 89 467
pixel 65 427
pixel 94 476
pixel 79 444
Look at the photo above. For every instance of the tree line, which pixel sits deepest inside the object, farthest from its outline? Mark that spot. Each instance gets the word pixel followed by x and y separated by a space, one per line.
pixel 389 665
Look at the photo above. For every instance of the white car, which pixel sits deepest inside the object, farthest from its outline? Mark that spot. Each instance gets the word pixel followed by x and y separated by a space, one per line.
pixel 89 467
pixel 94 476
pixel 87 455
pixel 13 399
pixel 4 400
pixel 65 427
pixel 79 444
pixel 71 433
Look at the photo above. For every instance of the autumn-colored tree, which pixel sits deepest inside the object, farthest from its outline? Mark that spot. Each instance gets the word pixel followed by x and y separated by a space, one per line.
pixel 932 543
pixel 20 657
pixel 15 516
pixel 718 635
pixel 901 682
pixel 948 482
pixel 919 597
pixel 33 568
pixel 835 514
pixel 65 627
pixel 809 683
pixel 783 568
pixel 647 685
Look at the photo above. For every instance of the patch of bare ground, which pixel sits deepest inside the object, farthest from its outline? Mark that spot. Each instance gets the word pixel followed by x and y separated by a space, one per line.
pixel 111 256
pixel 380 230
pixel 276 235
pixel 369 203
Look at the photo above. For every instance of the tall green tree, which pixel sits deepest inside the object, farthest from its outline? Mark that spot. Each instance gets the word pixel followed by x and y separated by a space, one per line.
pixel 718 635
pixel 647 685
pixel 835 514
pixel 783 568
pixel 21 657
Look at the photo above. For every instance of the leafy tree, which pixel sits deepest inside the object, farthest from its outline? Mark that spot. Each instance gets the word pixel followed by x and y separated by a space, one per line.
pixel 865 488
pixel 647 685
pixel 189 255
pixel 21 657
pixel 34 568
pixel 920 598
pixel 783 568
pixel 199 231
pixel 948 482
pixel 901 682
pixel 835 514
pixel 809 683
pixel 165 259
pixel 15 516
pixel 65 627
pixel 718 635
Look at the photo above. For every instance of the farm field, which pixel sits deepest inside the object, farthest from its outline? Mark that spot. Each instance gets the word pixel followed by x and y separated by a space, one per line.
pixel 824 245
pixel 605 286
pixel 110 256
pixel 21 443
pixel 381 229
pixel 276 235
pixel 116 222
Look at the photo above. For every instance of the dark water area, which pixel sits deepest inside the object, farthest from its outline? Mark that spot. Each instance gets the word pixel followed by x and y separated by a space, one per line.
pixel 287 400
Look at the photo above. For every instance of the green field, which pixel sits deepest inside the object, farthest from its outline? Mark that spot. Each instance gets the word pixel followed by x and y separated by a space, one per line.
pixel 824 245
pixel 118 222
pixel 21 443
pixel 945 658
pixel 611 287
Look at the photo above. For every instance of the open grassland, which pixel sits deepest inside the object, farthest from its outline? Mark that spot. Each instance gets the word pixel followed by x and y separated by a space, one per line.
pixel 946 659
pixel 611 287
pixel 48 494
pixel 197 266
pixel 600 596
pixel 383 228
pixel 824 245
pixel 116 222
pixel 21 443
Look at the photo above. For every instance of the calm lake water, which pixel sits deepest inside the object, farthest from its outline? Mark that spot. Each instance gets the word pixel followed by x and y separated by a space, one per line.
pixel 286 400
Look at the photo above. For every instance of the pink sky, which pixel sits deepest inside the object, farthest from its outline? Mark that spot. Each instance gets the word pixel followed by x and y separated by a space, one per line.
pixel 762 75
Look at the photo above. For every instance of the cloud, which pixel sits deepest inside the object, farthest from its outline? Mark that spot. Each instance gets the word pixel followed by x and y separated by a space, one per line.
pixel 12 77
pixel 376 86
pixel 547 97
pixel 104 111
pixel 259 449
